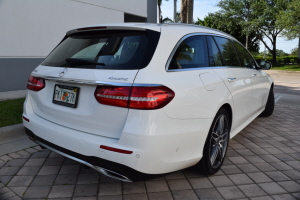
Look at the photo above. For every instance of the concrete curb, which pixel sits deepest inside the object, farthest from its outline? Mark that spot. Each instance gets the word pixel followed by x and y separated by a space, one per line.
pixel 10 95
pixel 7 130
pixel 13 138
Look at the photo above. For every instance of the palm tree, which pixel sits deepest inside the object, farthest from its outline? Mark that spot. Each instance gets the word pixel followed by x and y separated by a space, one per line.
pixel 167 20
pixel 187 11
pixel 159 2
pixel 190 10
pixel 183 11
pixel 175 11
pixel 159 10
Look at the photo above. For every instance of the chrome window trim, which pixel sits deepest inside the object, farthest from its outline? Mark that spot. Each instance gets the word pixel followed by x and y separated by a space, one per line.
pixel 202 68
pixel 89 82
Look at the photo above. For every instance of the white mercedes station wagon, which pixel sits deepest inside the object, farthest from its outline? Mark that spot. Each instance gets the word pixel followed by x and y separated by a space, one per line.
pixel 137 101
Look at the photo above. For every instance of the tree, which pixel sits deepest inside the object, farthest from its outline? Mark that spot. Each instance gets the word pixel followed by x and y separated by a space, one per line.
pixel 257 16
pixel 294 51
pixel 241 11
pixel 190 12
pixel 281 53
pixel 167 20
pixel 159 2
pixel 187 7
pixel 175 11
pixel 232 27
pixel 290 21
pixel 178 17
pixel 183 11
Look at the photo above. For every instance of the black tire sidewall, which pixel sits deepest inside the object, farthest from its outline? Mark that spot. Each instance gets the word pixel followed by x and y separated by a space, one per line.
pixel 206 152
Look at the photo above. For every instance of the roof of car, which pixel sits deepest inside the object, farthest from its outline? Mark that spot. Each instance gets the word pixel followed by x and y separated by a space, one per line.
pixel 188 28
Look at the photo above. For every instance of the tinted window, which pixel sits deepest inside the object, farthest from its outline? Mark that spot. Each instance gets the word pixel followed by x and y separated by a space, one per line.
pixel 228 52
pixel 246 58
pixel 191 53
pixel 215 57
pixel 105 50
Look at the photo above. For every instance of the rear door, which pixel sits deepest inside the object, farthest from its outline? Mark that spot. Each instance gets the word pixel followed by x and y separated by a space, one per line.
pixel 236 78
pixel 259 78
pixel 78 65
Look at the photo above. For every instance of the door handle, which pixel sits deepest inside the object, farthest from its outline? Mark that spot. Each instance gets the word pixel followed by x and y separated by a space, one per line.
pixel 253 74
pixel 231 79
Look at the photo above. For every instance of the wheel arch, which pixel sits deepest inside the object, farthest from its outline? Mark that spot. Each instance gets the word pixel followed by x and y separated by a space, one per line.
pixel 228 108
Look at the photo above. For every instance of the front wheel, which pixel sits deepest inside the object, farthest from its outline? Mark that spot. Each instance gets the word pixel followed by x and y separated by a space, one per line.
pixel 216 144
pixel 270 105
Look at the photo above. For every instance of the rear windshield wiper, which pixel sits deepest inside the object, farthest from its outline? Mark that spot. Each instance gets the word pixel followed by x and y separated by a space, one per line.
pixel 78 62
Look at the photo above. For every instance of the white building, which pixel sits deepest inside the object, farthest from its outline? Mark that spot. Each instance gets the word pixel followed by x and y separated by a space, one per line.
pixel 31 29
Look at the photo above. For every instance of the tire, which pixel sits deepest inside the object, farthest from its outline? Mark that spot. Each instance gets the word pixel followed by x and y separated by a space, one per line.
pixel 216 144
pixel 270 105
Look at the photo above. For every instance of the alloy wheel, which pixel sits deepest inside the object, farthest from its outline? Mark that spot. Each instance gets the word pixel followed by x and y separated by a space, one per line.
pixel 218 141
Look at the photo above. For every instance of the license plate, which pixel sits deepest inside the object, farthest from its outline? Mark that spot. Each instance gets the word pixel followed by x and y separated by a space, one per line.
pixel 66 95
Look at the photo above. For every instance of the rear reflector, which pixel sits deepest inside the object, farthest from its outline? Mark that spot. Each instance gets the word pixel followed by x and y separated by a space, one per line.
pixel 26 119
pixel 115 149
pixel 35 84
pixel 144 98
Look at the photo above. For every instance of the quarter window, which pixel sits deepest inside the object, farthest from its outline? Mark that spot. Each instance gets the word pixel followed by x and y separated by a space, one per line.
pixel 191 53
pixel 228 52
pixel 246 58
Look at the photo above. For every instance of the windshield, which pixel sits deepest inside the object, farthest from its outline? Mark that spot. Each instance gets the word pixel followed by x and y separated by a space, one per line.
pixel 105 50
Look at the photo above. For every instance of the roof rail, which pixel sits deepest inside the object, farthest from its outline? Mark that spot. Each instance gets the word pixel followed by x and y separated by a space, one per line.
pixel 197 26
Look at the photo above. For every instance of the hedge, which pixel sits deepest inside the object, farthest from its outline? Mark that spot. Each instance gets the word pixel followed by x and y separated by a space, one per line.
pixel 281 60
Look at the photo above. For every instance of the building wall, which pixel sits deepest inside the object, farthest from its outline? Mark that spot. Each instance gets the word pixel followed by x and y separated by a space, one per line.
pixel 31 29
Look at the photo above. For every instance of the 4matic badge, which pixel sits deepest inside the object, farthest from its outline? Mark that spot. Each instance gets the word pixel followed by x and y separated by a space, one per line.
pixel 118 79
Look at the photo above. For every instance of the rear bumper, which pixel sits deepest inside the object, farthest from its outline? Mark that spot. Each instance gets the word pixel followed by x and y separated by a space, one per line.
pixel 108 168
pixel 159 144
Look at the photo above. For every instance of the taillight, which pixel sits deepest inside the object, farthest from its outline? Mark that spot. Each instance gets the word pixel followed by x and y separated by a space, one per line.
pixel 35 84
pixel 144 98
pixel 112 95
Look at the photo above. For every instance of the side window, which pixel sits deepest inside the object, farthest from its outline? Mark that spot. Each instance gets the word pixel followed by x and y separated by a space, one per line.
pixel 246 58
pixel 228 52
pixel 215 57
pixel 191 53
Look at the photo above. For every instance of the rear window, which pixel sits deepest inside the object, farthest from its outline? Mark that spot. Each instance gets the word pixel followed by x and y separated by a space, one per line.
pixel 118 49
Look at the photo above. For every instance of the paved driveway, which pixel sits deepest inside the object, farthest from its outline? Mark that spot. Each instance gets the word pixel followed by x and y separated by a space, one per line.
pixel 263 162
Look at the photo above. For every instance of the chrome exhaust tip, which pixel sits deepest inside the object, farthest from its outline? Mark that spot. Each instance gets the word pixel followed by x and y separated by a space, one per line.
pixel 103 171
pixel 112 174
pixel 31 138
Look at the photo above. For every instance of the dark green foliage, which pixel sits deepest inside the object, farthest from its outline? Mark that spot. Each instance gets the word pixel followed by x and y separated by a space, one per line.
pixel 11 112
pixel 254 18
pixel 294 51
pixel 216 20
pixel 280 60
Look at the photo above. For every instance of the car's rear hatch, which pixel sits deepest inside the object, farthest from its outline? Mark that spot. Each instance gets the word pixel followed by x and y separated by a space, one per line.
pixel 82 61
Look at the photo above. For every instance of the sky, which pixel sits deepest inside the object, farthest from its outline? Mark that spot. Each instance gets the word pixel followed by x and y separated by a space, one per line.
pixel 203 7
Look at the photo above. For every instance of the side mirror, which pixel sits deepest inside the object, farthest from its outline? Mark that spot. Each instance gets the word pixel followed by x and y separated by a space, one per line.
pixel 266 65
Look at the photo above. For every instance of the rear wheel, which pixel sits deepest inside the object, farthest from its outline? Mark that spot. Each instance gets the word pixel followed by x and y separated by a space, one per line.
pixel 270 105
pixel 216 144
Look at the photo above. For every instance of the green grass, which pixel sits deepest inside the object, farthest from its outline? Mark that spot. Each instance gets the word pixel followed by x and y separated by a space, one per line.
pixel 286 67
pixel 11 112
